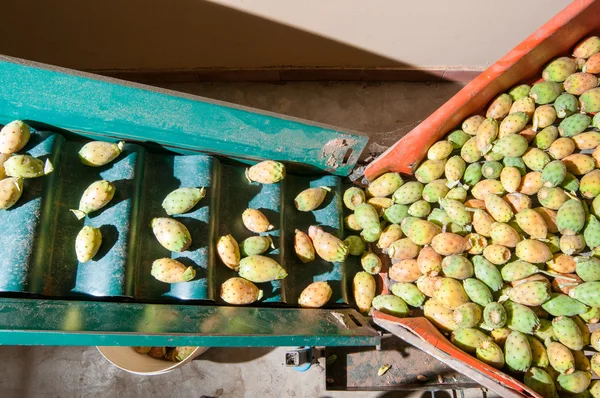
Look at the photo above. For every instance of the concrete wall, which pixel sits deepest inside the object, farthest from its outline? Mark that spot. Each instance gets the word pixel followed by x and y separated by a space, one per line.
pixel 195 34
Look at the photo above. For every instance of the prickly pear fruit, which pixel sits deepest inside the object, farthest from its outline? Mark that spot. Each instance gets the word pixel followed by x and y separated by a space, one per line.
pixel 171 234
pixel 559 69
pixel 472 174
pixel 467 315
pixel 356 246
pixel 588 268
pixel 587 293
pixel 539 356
pixel 405 271
pixel 430 170
pixel 87 243
pixel 510 178
pixel 500 107
pixel 540 381
pixel 14 136
pixel 533 251
pixel 477 291
pixel 574 383
pixel 579 163
pixel 422 232
pixel 579 83
pixel 517 352
pixel 99 153
pixel 255 245
pixel 390 234
pixel 454 169
pixel 3 158
pixel 448 243
pixel 388 183
pixel 504 234
pixel 239 291
pixel 570 218
pixel 353 197
pixel 496 254
pixel 458 138
pixel 552 198
pixel 419 209
pixel 592 65
pixel 543 117
pixel 591 316
pixel 182 200
pixel 366 216
pixel 561 148
pixel 390 304
pixel 172 271
pixel 315 295
pixel 572 244
pixel 476 243
pixel 536 159
pixel 25 166
pixel 512 124
pixel 435 190
pixel 587 47
pixel 486 134
pixel 574 125
pixel 520 91
pixel 469 151
pixel 561 304
pixel 468 339
pixel 451 293
pixel 395 213
pixel 471 124
pixel 491 169
pixel 364 290
pixel 554 173
pixel 311 198
pixel 371 263
pixel 525 105
pixel 482 222
pixel 408 193
pixel 498 208
pixel 11 190
pixel 260 269
pixel 428 284
pixel 590 184
pixel 409 293
pixel 456 210
pixel 403 249
pixel 256 221
pixel 545 92
pixel 266 172
pixel 531 183
pixel 532 223
pixel 565 105
pixel 429 261
pixel 229 251
pixel 440 316
pixel 561 358
pixel 521 318
pixel 568 333
pixel 590 101
pixel 591 233
pixel 587 140
pixel 494 315
pixel 457 267
pixel 351 224
pixel 518 202
pixel 532 293
pixel 95 197
pixel 328 247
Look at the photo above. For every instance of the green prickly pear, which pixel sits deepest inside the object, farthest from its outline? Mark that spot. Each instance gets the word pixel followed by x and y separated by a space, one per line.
pixel 11 190
pixel 370 235
pixel 420 209
pixel 353 197
pixel 172 271
pixel 364 287
pixel 539 356
pixel 229 251
pixel 315 295
pixel 554 173
pixel 579 83
pixel 14 136
pixel 513 123
pixel 366 216
pixel 540 381
pixel 328 247
pixel 520 91
pixel 395 213
pixel 472 174
pixel 536 159
pixel 390 304
pixel 590 101
pixel 387 184
pixel 456 210
pixel 591 316
pixel 491 169
pixel 457 267
pixel 546 137
pixel 477 291
pixel 568 333
pixel 486 134
pixel 574 124
pixel 545 92
pixel 25 166
pixel 574 383
pixel 311 198
pixel 517 352
pixel 458 138
pixel 409 293
pixel 371 263
pixel 435 190
pixel 587 293
pixel 266 172
pixel 561 304
pixel 440 150
pixel 239 291
pixel 490 353
pixel 408 193
pixel 430 170
pixel 494 315
pixel 171 234
pixel 588 268
pixel 552 198
pixel 531 293
pixel 182 200
pixel 469 151
pixel 422 232
pixel 468 339
pixel 255 245
pixel 570 218
pixel 591 233
pixel 521 318
pixel 100 153
pixel 87 243
pixel 565 105
pixel 259 269
pixel 559 69
pixel 570 183
pixel 356 246
pixel 454 170
pixel 487 272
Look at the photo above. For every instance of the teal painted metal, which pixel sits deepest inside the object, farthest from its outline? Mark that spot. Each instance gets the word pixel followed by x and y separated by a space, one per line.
pixel 101 107
pixel 60 322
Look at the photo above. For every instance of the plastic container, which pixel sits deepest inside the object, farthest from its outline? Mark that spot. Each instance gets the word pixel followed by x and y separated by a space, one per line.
pixel 127 359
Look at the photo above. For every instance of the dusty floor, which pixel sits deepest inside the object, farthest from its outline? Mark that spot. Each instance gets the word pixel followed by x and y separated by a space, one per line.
pixel 385 111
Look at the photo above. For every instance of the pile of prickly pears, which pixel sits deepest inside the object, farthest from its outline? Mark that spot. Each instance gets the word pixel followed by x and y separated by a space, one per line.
pixel 497 241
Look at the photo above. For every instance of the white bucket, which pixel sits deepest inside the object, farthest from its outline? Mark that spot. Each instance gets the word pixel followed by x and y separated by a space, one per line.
pixel 127 359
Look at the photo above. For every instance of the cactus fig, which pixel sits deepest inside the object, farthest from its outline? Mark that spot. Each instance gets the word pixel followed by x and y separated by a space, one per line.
pixel 315 295
pixel 328 247
pixel 353 197
pixel 256 221
pixel 172 271
pixel 409 293
pixel 517 352
pixel 364 290
pixel 25 166
pixel 87 243
pixel 11 190
pixel 468 339
pixel 229 251
pixel 390 304
pixel 311 198
pixel 356 246
pixel 14 136
pixel 266 172
pixel 255 245
pixel 388 183
pixel 259 269
pixel 171 234
pixel 100 153
pixel 182 200
pixel 94 198
pixel 239 291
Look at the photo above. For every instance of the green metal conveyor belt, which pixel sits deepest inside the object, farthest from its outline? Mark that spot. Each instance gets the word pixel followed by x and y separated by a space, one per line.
pixel 47 297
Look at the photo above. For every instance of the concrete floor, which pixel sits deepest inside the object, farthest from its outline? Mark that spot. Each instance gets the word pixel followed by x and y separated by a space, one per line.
pixel 385 111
